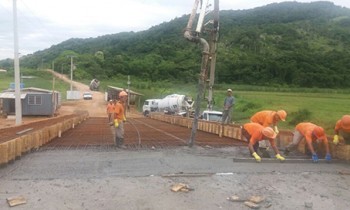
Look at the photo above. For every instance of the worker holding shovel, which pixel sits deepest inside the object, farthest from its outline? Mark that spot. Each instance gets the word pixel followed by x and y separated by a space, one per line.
pixel 253 133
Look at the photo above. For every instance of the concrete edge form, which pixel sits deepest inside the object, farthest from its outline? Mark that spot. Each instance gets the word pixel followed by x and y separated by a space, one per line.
pixel 13 149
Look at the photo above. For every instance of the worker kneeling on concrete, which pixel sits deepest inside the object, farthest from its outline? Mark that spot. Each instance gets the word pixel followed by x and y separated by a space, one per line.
pixel 342 128
pixel 119 119
pixel 312 134
pixel 253 133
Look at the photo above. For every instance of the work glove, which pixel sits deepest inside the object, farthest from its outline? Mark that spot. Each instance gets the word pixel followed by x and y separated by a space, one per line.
pixel 257 157
pixel 279 157
pixel 314 158
pixel 124 119
pixel 276 130
pixel 335 139
pixel 116 123
pixel 328 157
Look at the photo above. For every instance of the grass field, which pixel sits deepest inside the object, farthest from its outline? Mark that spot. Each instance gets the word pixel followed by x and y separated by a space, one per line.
pixel 323 109
pixel 320 106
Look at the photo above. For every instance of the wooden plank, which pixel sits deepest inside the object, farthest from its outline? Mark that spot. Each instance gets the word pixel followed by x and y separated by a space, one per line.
pixel 17 200
pixel 288 160
pixel 23 131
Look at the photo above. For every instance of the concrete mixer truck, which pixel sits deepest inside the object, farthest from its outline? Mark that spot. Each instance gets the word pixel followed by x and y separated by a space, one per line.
pixel 172 104
pixel 94 85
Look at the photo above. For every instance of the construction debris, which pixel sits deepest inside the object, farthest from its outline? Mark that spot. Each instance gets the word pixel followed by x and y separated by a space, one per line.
pixel 344 172
pixel 181 187
pixel 256 199
pixel 251 202
pixel 251 205
pixel 235 198
pixel 17 200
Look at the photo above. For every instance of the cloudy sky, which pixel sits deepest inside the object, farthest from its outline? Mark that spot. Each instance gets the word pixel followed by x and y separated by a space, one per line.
pixel 43 23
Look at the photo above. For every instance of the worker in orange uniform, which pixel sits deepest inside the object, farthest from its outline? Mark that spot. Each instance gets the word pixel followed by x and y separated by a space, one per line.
pixel 119 119
pixel 268 118
pixel 110 110
pixel 253 133
pixel 342 127
pixel 311 133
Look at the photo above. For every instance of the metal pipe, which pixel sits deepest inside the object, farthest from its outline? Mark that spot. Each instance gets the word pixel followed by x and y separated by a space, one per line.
pixel 213 49
pixel 201 81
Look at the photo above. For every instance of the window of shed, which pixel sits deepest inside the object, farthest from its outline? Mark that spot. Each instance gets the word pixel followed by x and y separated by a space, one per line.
pixel 34 100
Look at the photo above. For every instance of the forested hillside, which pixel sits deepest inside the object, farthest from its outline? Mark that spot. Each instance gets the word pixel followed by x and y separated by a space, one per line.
pixel 290 43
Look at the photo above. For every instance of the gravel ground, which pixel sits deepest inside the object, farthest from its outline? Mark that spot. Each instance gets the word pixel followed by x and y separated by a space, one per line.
pixel 121 179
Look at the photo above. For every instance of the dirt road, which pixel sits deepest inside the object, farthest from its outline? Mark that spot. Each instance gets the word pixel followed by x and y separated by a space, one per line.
pixel 96 107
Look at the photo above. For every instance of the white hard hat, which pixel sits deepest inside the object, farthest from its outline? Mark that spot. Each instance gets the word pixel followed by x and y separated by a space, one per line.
pixel 229 90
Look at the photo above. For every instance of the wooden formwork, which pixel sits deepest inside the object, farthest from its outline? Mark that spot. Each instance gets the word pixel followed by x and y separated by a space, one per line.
pixel 11 151
pixel 15 148
pixel 3 153
pixel 342 152
pixel 18 143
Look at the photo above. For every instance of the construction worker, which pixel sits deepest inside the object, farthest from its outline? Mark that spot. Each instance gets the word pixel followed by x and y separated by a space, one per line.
pixel 268 118
pixel 228 104
pixel 253 133
pixel 312 133
pixel 110 110
pixel 342 127
pixel 119 119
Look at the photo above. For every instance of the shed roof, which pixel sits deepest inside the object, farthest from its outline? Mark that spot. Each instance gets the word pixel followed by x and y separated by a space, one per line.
pixel 31 89
pixel 12 95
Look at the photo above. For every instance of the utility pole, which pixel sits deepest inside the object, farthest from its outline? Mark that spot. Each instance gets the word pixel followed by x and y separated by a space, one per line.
pixel 18 104
pixel 71 72
pixel 129 92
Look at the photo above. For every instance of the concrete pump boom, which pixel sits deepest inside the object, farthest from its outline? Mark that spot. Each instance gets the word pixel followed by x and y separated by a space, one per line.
pixel 206 53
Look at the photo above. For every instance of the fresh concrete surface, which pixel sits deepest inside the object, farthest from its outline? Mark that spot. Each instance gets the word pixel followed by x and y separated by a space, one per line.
pixel 142 179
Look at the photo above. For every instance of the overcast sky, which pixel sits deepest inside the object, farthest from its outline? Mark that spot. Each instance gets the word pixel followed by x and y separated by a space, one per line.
pixel 43 23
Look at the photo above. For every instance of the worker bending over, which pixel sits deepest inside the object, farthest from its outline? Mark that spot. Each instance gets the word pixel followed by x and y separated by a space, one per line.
pixel 342 128
pixel 253 133
pixel 268 118
pixel 311 133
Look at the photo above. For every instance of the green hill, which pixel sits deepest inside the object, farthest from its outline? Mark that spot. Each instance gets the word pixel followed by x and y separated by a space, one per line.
pixel 290 44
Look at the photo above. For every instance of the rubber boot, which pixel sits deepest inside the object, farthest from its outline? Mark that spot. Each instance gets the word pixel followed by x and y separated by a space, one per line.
pixel 117 142
pixel 122 143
